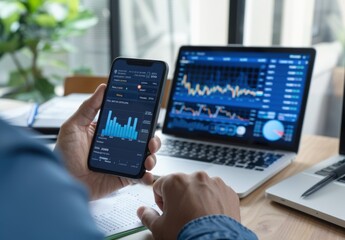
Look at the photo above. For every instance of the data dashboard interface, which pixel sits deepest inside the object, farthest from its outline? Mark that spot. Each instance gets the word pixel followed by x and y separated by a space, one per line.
pixel 126 117
pixel 247 96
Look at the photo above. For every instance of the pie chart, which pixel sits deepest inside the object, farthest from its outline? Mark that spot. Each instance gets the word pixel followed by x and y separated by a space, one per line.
pixel 273 130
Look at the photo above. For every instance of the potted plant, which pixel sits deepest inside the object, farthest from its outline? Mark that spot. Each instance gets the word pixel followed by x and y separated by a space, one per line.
pixel 36 30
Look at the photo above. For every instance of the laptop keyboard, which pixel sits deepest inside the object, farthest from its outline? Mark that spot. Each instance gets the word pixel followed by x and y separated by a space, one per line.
pixel 325 171
pixel 229 156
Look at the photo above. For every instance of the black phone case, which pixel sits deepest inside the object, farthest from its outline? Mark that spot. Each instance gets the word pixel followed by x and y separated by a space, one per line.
pixel 154 119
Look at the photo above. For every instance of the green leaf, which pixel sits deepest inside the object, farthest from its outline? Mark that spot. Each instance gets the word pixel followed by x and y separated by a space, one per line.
pixel 9 22
pixel 45 20
pixel 58 10
pixel 16 79
pixel 7 9
pixel 64 46
pixel 83 22
pixel 34 5
pixel 41 28
pixel 73 7
pixel 11 45
pixel 10 13
pixel 31 43
pixel 45 87
pixel 40 91
pixel 2 30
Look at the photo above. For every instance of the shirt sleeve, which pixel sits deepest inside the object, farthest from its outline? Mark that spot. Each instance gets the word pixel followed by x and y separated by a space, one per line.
pixel 215 227
pixel 39 199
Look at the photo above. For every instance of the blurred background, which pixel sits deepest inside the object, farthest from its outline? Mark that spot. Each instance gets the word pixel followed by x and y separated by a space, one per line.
pixel 157 28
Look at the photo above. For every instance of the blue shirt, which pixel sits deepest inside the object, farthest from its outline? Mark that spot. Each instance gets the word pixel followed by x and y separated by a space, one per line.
pixel 40 200
pixel 215 227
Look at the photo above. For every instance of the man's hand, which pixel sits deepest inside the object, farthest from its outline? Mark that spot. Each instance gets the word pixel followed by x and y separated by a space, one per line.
pixel 183 198
pixel 74 142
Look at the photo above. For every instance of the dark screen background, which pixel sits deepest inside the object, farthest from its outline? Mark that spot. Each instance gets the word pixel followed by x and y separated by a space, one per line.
pixel 125 120
pixel 249 97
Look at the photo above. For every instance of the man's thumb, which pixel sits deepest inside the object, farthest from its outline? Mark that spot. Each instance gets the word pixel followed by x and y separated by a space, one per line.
pixel 88 110
pixel 147 216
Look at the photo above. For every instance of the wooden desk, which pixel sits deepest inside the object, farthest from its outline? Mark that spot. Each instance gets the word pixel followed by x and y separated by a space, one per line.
pixel 271 220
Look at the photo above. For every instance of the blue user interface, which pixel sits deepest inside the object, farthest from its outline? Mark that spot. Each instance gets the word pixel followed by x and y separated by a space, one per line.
pixel 249 96
pixel 126 117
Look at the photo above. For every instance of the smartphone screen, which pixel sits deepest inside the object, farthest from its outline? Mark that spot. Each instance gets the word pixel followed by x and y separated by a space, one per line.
pixel 128 117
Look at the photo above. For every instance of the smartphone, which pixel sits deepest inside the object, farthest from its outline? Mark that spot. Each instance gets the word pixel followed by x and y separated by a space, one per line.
pixel 128 117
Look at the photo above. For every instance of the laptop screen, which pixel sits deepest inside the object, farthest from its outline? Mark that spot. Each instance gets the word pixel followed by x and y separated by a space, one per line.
pixel 244 95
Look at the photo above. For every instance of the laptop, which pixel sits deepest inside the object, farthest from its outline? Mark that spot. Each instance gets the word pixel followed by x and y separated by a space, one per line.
pixel 235 112
pixel 327 203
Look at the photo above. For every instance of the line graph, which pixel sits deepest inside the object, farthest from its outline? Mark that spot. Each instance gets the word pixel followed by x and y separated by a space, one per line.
pixel 205 112
pixel 202 90
pixel 241 84
pixel 190 125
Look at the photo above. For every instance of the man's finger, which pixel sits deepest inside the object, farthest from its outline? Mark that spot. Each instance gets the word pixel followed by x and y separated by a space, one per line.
pixel 147 178
pixel 154 144
pixel 147 216
pixel 150 162
pixel 88 110
pixel 158 193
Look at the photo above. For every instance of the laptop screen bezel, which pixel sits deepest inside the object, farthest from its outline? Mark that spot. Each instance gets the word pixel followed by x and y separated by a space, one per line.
pixel 231 141
pixel 342 127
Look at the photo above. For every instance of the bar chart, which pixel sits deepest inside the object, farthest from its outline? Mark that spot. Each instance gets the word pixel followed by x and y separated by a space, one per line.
pixel 115 129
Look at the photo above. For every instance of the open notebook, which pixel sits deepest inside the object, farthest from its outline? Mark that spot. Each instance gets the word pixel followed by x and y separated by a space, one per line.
pixel 49 115
pixel 115 215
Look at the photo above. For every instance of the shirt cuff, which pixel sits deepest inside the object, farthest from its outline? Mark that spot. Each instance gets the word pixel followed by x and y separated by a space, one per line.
pixel 215 227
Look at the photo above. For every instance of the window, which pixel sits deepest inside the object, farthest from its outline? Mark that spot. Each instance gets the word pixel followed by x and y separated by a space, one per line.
pixel 157 28
pixel 309 23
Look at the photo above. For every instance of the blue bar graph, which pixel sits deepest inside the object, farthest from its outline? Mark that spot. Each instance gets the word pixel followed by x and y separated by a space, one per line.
pixel 114 129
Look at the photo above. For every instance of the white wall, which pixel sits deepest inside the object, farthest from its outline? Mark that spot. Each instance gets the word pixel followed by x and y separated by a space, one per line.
pixel 209 22
pixel 297 23
pixel 6 66
pixel 258 22
pixel 297 20
pixel 318 110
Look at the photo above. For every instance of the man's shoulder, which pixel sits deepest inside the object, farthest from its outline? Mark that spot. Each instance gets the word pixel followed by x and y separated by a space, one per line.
pixel 41 199
pixel 15 142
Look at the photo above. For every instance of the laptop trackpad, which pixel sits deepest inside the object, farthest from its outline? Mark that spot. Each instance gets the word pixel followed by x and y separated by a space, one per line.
pixel 166 165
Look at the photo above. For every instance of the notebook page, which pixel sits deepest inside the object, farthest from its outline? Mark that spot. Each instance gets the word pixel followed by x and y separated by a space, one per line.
pixel 116 213
pixel 56 111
